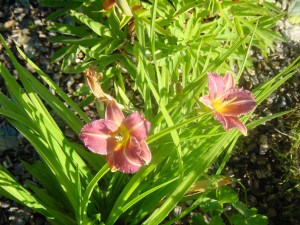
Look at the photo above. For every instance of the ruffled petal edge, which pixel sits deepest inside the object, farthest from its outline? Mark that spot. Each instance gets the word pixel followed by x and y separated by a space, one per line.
pixel 230 122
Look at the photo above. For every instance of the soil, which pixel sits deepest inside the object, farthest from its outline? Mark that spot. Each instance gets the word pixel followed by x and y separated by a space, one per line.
pixel 266 161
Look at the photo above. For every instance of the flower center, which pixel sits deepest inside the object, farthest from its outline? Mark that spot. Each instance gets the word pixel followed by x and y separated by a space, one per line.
pixel 121 137
pixel 220 105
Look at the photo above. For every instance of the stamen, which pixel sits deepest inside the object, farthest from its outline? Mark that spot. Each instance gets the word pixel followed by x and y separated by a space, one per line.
pixel 220 105
pixel 119 137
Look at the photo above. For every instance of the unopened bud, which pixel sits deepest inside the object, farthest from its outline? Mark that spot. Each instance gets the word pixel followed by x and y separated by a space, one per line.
pixel 92 77
pixel 107 4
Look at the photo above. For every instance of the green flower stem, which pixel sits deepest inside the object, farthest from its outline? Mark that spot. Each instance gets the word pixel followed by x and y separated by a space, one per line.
pixel 89 191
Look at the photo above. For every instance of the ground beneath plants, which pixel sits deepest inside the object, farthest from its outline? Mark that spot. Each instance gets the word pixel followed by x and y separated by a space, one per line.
pixel 266 162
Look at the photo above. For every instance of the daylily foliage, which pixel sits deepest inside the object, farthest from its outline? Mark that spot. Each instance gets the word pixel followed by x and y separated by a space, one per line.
pixel 121 139
pixel 227 102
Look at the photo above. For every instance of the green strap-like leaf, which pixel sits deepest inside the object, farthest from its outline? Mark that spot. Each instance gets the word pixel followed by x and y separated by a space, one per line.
pixel 97 27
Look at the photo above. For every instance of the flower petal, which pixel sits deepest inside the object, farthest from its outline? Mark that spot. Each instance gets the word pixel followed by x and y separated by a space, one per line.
pixel 96 135
pixel 137 126
pixel 128 159
pixel 228 81
pixel 230 122
pixel 114 113
pixel 239 102
pixel 206 101
pixel 215 84
pixel 145 152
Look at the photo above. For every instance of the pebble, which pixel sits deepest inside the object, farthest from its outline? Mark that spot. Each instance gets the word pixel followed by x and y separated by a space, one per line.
pixel 288 98
pixel 252 200
pixel 281 102
pixel 5 205
pixel 261 161
pixel 18 10
pixel 263 148
pixel 258 174
pixel 269 188
pixel 29 50
pixel 18 169
pixel 256 185
pixel 21 17
pixel 26 176
pixel 70 134
pixel 37 22
pixel 271 212
pixel 253 158
pixel 19 216
pixel 177 211
pixel 251 147
pixel 9 24
pixel 287 213
pixel 271 197
pixel 292 32
pixel 8 137
pixel 254 81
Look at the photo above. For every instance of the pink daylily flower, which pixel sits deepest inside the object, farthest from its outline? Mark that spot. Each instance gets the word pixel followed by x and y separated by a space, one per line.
pixel 227 102
pixel 121 139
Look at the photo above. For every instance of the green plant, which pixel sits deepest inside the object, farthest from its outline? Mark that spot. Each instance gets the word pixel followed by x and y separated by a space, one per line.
pixel 178 29
pixel 221 206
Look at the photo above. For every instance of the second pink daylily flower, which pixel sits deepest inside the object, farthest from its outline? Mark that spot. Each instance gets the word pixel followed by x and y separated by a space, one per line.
pixel 227 102
pixel 121 139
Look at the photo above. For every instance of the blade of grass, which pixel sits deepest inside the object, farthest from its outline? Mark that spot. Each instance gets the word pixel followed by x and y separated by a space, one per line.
pixel 57 89
pixel 146 193
pixel 87 194
pixel 96 27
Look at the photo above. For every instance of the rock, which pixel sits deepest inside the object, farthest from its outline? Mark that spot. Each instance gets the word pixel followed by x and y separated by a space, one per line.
pixel 291 32
pixel 252 200
pixel 253 158
pixel 5 205
pixel 269 188
pixel 263 148
pixel 271 212
pixel 8 137
pixel 9 24
pixel 177 211
pixel 18 169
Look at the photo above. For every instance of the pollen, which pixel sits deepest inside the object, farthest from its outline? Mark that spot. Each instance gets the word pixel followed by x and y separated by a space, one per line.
pixel 119 137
